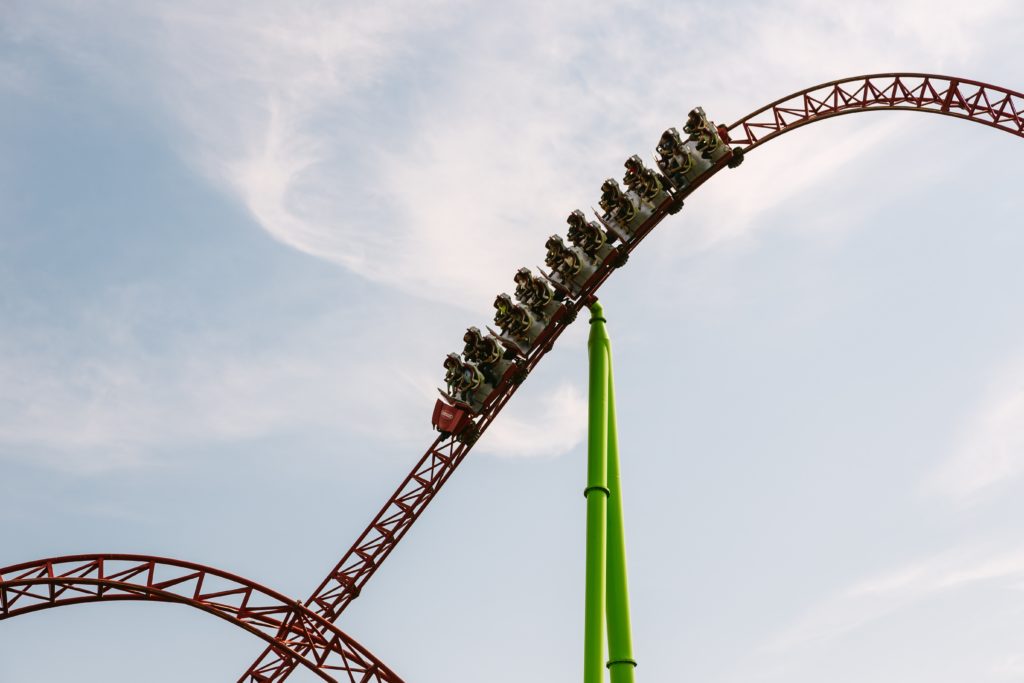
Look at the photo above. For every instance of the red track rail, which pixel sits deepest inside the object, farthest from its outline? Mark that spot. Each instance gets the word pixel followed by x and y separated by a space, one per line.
pixel 293 632
pixel 304 634
pixel 957 97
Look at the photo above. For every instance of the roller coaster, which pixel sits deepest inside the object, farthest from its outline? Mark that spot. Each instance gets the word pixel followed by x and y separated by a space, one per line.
pixel 481 381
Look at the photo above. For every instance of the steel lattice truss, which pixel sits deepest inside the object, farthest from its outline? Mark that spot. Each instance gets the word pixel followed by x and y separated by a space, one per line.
pixel 962 98
pixel 296 634
pixel 957 97
pixel 305 634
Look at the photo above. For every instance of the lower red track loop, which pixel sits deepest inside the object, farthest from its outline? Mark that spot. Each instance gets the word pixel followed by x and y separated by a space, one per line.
pixel 293 633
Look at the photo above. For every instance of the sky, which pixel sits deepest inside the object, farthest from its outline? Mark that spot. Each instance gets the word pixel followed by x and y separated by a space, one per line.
pixel 237 240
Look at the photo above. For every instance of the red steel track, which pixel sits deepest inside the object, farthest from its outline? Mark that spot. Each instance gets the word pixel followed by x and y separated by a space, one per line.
pixel 957 97
pixel 300 634
pixel 296 635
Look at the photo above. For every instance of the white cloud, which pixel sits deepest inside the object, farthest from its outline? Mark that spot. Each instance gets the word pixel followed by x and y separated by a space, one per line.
pixel 730 213
pixel 116 411
pixel 325 122
pixel 98 394
pixel 879 596
pixel 550 424
pixel 260 87
pixel 121 410
pixel 990 448
pixel 1010 667
pixel 432 147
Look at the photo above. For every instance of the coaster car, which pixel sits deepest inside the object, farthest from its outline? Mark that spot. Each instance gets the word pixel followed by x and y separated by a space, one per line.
pixel 678 160
pixel 493 359
pixel 466 383
pixel 519 328
pixel 706 137
pixel 570 267
pixel 644 183
pixel 540 298
pixel 588 237
pixel 452 419
pixel 622 212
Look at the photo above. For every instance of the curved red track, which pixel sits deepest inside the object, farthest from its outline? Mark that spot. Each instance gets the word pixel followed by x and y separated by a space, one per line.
pixel 957 97
pixel 293 632
pixel 304 634
pixel 960 98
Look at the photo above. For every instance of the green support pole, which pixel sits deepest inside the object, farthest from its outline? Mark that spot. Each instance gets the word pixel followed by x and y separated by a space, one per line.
pixel 620 642
pixel 597 500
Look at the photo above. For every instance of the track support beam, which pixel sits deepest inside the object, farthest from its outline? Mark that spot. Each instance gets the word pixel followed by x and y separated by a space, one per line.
pixel 606 592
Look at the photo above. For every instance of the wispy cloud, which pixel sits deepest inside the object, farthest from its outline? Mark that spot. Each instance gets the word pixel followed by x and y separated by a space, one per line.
pixel 1011 667
pixel 95 393
pixel 433 146
pixel 990 448
pixel 98 394
pixel 877 597
pixel 550 425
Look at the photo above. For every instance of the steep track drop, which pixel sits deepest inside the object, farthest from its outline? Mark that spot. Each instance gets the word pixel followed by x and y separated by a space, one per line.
pixel 957 97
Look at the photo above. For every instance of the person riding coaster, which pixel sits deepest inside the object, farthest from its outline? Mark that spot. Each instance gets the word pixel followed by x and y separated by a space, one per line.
pixel 514 321
pixel 464 380
pixel 675 159
pixel 703 132
pixel 670 143
pixel 643 181
pixel 487 353
pixel 570 267
pixel 707 143
pixel 696 121
pixel 588 236
pixel 684 161
pixel 533 292
pixel 617 206
pixel 480 348
pixel 563 261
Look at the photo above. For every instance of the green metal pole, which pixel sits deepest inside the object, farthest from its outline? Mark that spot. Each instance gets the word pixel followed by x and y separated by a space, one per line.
pixel 597 500
pixel 620 642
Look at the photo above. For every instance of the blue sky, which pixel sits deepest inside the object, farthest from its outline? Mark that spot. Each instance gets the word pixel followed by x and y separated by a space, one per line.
pixel 237 239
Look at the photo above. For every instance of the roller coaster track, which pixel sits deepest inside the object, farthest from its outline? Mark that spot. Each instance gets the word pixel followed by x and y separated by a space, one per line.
pixel 295 634
pixel 304 634
pixel 958 97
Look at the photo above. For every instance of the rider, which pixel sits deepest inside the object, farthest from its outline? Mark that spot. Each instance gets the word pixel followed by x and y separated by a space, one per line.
pixel 640 179
pixel 586 234
pixel 670 143
pixel 485 351
pixel 513 320
pixel 452 374
pixel 532 291
pixel 615 204
pixel 462 378
pixel 702 132
pixel 561 259
pixel 675 159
